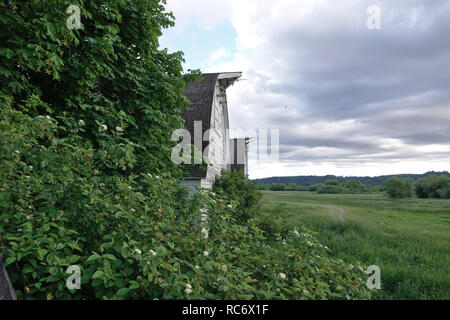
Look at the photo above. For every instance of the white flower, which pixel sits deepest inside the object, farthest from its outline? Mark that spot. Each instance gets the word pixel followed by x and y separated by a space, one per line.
pixel 188 286
pixel 28 177
pixel 282 275
pixel 157 177
pixel 230 206
pixel 347 297
pixel 351 266
pixel 104 127
pixel 149 175
pixel 197 267
pixel 153 252
pixel 296 233
pixel 206 233
pixel 129 187
pixel 17 151
pixel 278 290
pixel 119 129
pixel 188 291
pixel 81 122
pixel 132 210
pixel 205 253
pixel 47 117
pixel 138 251
pixel 31 167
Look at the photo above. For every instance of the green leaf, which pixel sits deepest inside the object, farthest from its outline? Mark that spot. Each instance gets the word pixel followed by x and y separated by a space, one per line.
pixel 123 292
pixel 98 274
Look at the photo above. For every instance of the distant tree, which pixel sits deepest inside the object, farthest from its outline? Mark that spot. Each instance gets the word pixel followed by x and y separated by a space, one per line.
pixel 400 187
pixel 315 187
pixel 355 186
pixel 331 189
pixel 332 182
pixel 433 186
pixel 277 187
pixel 262 186
pixel 291 187
pixel 377 189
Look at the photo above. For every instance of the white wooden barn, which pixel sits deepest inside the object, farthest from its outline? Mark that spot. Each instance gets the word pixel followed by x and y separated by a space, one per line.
pixel 208 109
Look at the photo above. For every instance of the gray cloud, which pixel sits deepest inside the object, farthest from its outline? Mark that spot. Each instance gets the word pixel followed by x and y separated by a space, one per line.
pixel 384 93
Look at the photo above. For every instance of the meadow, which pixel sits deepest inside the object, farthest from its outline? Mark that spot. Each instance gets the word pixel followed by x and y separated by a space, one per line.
pixel 409 239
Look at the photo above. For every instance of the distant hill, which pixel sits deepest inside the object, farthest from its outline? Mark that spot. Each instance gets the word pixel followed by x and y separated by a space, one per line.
pixel 369 181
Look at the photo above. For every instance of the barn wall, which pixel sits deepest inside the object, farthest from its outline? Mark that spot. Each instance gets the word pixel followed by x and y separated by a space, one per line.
pixel 218 152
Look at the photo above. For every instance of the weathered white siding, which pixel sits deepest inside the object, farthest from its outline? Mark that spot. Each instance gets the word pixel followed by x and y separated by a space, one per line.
pixel 218 152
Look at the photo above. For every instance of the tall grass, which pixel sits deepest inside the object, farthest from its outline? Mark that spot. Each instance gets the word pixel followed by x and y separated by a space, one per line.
pixel 408 239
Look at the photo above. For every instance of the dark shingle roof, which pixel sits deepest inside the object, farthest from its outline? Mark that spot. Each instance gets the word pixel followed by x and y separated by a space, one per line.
pixel 201 95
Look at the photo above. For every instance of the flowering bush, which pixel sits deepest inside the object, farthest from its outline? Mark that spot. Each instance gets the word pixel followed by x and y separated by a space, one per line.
pixel 240 191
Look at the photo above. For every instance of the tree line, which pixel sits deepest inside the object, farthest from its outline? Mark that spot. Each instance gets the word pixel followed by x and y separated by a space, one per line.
pixel 428 186
pixel 368 181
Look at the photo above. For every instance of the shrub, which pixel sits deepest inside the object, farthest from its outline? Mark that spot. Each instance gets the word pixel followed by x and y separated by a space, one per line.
pixel 291 187
pixel 400 187
pixel 433 186
pixel 148 250
pixel 332 183
pixel 302 188
pixel 262 186
pixel 277 187
pixel 331 189
pixel 315 187
pixel 240 191
pixel 355 186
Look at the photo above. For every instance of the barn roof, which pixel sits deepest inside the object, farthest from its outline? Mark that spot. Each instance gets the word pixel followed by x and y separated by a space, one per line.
pixel 201 97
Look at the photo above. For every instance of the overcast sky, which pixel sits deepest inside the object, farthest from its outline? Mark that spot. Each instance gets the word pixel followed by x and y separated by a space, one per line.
pixel 347 100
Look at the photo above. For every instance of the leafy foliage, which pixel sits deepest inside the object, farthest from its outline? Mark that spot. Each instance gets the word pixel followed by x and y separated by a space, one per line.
pixel 240 191
pixel 433 186
pixel 400 187
pixel 331 189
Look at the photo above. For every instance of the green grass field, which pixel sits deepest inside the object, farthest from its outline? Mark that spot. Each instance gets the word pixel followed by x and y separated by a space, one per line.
pixel 409 239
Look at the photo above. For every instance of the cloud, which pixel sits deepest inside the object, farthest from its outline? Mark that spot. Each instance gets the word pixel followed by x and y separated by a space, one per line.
pixel 219 54
pixel 344 97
